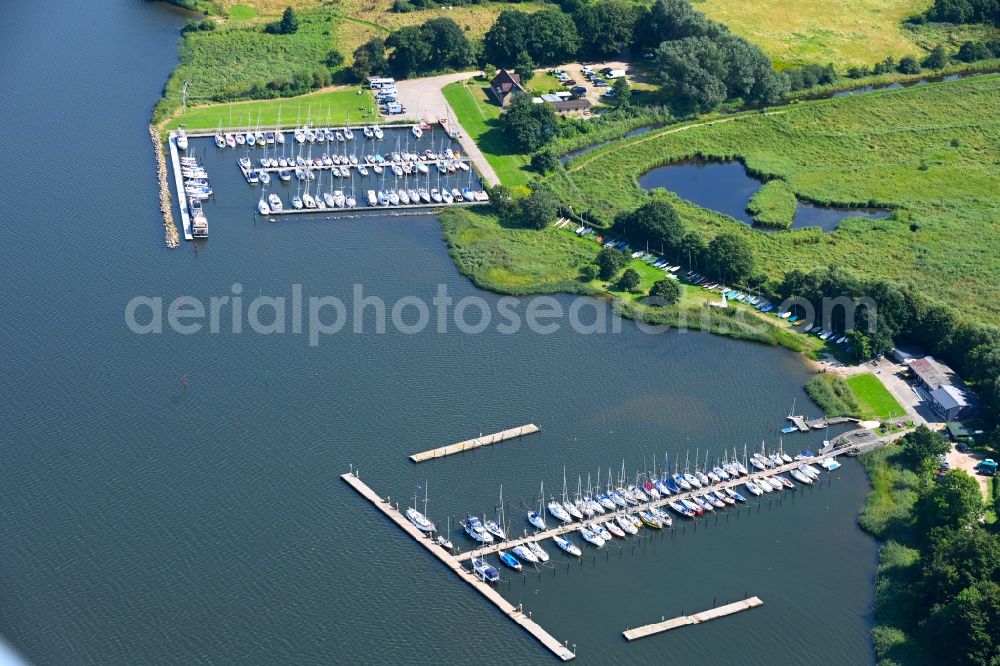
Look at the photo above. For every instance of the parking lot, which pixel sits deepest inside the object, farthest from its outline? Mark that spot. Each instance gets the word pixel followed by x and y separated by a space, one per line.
pixel 593 86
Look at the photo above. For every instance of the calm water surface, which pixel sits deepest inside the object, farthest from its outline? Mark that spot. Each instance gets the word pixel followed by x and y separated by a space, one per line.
pixel 147 522
pixel 727 188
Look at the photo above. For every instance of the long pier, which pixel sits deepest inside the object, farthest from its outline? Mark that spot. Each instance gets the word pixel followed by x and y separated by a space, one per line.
pixel 481 550
pixel 179 182
pixel 697 618
pixel 514 613
pixel 476 442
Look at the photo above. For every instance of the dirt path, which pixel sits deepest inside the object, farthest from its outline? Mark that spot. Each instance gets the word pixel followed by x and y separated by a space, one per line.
pixel 597 154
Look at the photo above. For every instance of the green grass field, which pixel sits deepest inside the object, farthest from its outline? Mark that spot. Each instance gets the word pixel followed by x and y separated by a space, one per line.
pixel 873 398
pixel 930 151
pixel 341 104
pixel 844 32
pixel 480 118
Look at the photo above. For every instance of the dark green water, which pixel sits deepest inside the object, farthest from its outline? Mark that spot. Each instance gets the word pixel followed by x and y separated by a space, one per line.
pixel 145 522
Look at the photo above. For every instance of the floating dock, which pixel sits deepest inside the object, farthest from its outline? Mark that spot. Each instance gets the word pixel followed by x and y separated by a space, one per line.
pixel 508 609
pixel 697 618
pixel 564 528
pixel 469 444
pixel 175 163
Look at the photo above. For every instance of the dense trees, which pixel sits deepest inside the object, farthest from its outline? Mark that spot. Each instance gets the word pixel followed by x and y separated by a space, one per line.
pixel 630 280
pixel 369 58
pixel 699 73
pixel 288 24
pixel 529 125
pixel 435 45
pixel 954 501
pixel 922 446
pixel 730 256
pixel 538 209
pixel 654 224
pixel 606 26
pixel 667 290
pixel 937 58
pixel 547 37
pixel 609 261
pixel 965 11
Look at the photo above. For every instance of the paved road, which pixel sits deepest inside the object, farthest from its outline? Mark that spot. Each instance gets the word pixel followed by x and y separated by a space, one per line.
pixel 424 100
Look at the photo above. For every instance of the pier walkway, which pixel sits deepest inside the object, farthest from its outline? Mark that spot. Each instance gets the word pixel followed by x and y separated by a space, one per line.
pixel 508 609
pixel 799 422
pixel 175 164
pixel 481 550
pixel 697 618
pixel 475 443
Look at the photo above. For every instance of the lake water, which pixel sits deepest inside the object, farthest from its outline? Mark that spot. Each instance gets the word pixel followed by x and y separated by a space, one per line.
pixel 727 188
pixel 173 499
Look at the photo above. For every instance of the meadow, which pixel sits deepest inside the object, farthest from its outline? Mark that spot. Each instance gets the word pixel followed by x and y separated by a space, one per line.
pixel 844 32
pixel 929 152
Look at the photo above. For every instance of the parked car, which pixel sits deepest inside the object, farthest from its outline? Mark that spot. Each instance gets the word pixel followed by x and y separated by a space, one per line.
pixel 579 91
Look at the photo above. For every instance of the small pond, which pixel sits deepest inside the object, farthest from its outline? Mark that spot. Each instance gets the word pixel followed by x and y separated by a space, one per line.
pixel 726 187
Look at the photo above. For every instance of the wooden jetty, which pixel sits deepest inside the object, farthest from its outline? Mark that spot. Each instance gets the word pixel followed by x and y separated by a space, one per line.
pixel 475 443
pixel 697 618
pixel 820 424
pixel 561 529
pixel 799 422
pixel 508 609
pixel 179 182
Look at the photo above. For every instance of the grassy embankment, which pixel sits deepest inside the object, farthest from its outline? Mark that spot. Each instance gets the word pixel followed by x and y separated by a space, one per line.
pixel 844 32
pixel 518 261
pixel 887 515
pixel 481 120
pixel 861 396
pixel 929 151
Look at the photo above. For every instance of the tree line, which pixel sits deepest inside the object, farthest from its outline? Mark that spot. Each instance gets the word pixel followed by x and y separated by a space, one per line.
pixel 902 314
pixel 943 601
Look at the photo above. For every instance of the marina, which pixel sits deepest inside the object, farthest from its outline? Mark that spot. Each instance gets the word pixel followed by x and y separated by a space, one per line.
pixel 417 168
pixel 476 442
pixel 560 650
pixel 687 500
pixel 697 618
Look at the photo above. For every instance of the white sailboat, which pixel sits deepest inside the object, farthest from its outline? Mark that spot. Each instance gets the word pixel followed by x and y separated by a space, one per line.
pixel 419 519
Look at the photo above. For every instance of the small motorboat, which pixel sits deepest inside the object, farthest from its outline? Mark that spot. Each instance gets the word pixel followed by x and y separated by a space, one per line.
pixel 444 543
pixel 509 560
pixel 474 528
